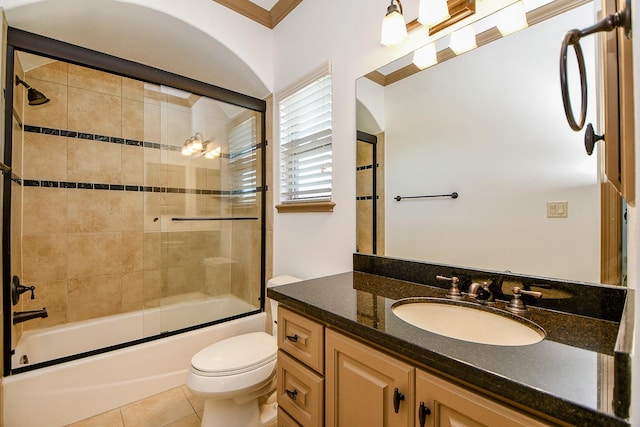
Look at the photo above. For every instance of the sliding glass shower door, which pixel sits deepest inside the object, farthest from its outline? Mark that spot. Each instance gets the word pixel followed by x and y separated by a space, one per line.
pixel 136 210
pixel 203 229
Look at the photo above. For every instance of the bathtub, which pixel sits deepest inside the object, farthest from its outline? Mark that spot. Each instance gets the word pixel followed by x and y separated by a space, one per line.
pixel 64 393
pixel 41 345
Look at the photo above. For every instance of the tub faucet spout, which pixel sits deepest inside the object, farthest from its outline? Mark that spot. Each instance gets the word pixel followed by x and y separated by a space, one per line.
pixel 23 316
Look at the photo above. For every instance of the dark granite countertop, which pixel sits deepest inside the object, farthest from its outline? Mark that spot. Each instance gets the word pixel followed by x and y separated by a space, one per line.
pixel 572 375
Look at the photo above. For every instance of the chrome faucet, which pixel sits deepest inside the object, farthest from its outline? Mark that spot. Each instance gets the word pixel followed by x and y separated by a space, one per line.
pixel 23 316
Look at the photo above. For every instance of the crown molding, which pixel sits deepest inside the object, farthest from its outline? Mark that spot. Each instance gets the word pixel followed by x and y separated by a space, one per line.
pixel 268 18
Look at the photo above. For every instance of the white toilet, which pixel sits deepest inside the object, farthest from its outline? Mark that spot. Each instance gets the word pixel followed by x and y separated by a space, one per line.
pixel 235 374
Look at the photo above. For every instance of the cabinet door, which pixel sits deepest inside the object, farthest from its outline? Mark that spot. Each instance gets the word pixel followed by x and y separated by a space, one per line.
pixel 453 406
pixel 361 383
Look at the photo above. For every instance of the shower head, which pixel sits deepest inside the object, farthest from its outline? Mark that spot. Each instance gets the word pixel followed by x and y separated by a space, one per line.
pixel 35 97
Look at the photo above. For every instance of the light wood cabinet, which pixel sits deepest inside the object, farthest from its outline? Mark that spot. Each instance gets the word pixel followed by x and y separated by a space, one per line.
pixel 285 420
pixel 362 384
pixel 448 404
pixel 300 380
pixel 353 384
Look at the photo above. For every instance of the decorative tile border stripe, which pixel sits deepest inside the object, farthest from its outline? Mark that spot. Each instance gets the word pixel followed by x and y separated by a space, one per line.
pixel 365 167
pixel 124 141
pixel 100 138
pixel 138 188
pixel 358 198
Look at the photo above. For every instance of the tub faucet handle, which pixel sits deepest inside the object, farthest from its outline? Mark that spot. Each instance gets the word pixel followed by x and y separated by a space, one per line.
pixel 18 289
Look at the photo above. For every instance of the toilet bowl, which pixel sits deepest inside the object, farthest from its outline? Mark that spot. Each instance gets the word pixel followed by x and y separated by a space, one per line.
pixel 237 378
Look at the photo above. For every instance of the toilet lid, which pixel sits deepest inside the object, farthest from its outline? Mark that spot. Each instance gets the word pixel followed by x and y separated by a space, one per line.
pixel 236 355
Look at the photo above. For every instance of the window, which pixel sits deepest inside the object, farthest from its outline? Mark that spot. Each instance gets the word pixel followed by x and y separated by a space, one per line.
pixel 243 161
pixel 305 145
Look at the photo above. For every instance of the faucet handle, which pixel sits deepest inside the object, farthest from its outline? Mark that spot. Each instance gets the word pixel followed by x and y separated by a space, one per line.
pixel 454 291
pixel 530 293
pixel 18 289
pixel 516 305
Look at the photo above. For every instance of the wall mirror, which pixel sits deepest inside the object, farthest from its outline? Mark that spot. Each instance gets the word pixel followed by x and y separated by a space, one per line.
pixel 489 125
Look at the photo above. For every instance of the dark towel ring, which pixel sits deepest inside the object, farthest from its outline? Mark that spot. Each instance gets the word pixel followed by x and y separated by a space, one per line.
pixel 572 38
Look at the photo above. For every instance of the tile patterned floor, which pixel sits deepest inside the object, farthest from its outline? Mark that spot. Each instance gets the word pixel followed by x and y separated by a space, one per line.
pixel 177 407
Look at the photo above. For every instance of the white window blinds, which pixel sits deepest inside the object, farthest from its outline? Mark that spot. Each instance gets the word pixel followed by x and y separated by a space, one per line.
pixel 243 161
pixel 305 142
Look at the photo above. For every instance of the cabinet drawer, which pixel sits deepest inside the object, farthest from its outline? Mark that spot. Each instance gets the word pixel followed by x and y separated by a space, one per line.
pixel 284 420
pixel 300 392
pixel 302 338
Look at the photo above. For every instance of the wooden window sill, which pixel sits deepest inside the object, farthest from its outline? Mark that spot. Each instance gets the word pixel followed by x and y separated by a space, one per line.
pixel 305 207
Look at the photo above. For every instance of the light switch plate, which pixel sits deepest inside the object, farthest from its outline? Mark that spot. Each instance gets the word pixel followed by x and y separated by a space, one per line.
pixel 557 209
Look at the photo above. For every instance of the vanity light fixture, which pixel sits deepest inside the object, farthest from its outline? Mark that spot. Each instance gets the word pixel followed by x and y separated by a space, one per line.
pixel 394 29
pixel 196 146
pixel 511 19
pixel 212 154
pixel 192 145
pixel 426 56
pixel 432 12
pixel 463 40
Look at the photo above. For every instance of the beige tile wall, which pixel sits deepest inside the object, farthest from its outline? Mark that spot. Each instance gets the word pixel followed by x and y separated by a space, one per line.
pixel 93 253
pixel 16 164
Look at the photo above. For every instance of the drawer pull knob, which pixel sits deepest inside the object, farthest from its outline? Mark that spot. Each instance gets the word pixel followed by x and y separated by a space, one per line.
pixel 397 398
pixel 423 411
pixel 292 394
pixel 292 338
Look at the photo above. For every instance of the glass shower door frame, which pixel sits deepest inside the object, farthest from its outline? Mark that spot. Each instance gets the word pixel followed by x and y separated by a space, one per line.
pixel 18 40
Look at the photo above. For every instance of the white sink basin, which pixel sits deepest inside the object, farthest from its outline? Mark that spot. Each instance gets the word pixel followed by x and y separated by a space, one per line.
pixel 468 322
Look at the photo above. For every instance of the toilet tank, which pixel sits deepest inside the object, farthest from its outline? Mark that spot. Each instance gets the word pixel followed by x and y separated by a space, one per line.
pixel 277 281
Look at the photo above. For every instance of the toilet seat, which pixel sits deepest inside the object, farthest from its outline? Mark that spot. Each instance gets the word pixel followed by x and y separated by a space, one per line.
pixel 235 355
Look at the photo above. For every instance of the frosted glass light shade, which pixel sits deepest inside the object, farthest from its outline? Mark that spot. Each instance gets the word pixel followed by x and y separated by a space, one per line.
pixel 394 29
pixel 212 154
pixel 426 56
pixel 196 144
pixel 463 40
pixel 432 12
pixel 511 19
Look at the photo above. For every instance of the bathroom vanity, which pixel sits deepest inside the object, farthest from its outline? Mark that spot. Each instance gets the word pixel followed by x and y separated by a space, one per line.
pixel 345 359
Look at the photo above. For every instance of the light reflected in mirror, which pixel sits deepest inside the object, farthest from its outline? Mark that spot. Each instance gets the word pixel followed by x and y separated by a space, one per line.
pixel 489 125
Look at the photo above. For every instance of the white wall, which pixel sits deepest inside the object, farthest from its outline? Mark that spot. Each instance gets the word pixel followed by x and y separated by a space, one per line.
pixel 490 125
pixel 347 33
pixel 194 38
